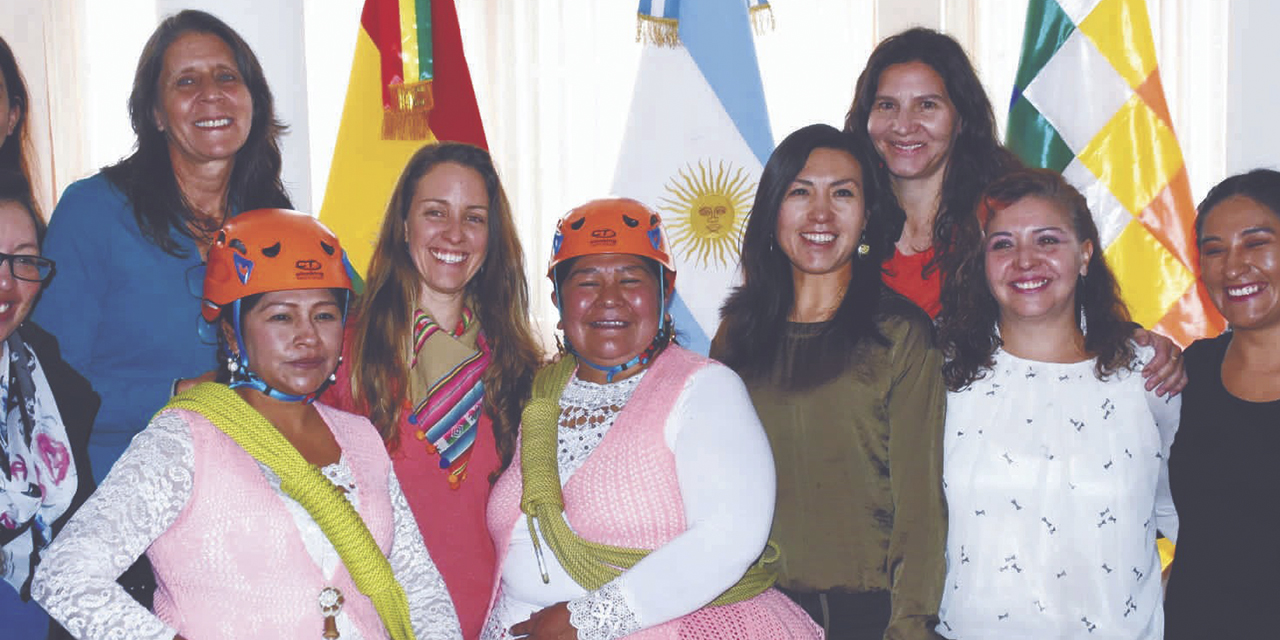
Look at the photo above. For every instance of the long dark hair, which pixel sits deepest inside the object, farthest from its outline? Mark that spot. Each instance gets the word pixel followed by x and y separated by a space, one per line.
pixel 968 324
pixel 15 188
pixel 146 177
pixel 498 294
pixel 755 315
pixel 16 148
pixel 1260 185
pixel 977 157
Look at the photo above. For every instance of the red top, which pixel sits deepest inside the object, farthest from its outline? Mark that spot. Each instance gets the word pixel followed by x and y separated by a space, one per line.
pixel 452 521
pixel 903 274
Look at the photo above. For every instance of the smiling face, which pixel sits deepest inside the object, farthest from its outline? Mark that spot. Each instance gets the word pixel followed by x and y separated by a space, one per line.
pixel 17 236
pixel 447 230
pixel 609 310
pixel 913 122
pixel 293 338
pixel 1240 262
pixel 822 215
pixel 205 109
pixel 1033 262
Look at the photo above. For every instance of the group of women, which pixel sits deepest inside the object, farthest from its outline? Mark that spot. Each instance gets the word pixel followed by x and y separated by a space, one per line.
pixel 933 416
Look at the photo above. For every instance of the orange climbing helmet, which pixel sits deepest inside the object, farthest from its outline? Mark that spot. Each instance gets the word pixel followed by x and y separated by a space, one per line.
pixel 612 225
pixel 271 250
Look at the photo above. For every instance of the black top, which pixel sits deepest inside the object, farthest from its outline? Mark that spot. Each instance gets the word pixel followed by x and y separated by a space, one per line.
pixel 1225 477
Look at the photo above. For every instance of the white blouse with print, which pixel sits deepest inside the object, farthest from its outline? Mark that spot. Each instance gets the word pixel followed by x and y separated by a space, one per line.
pixel 1056 484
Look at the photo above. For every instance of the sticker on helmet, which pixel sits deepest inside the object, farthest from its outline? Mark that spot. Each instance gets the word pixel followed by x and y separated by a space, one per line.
pixel 655 238
pixel 244 267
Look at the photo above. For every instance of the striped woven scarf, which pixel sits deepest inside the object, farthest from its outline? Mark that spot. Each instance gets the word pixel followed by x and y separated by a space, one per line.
pixel 447 416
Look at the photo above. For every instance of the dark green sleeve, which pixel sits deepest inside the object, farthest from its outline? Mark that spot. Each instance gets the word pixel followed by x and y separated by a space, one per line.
pixel 917 408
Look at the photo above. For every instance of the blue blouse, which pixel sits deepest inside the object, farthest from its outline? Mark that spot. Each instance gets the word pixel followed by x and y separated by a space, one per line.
pixel 122 310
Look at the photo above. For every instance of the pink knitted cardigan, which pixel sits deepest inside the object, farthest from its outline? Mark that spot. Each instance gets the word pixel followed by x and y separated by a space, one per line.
pixel 628 494
pixel 233 564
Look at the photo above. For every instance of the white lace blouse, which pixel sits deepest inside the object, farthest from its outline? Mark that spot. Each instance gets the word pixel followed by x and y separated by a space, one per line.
pixel 726 477
pixel 1056 484
pixel 143 495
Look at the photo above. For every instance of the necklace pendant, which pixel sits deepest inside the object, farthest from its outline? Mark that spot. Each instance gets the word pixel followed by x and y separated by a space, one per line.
pixel 330 604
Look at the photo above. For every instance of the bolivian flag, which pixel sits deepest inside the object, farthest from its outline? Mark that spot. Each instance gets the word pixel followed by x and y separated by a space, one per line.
pixel 1087 101
pixel 409 86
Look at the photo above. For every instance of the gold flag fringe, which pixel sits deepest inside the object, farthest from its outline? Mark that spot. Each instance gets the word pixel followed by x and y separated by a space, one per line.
pixel 409 117
pixel 663 32
pixel 762 18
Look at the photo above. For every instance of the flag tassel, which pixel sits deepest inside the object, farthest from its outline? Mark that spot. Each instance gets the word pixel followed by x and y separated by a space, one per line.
pixel 409 115
pixel 762 18
pixel 663 32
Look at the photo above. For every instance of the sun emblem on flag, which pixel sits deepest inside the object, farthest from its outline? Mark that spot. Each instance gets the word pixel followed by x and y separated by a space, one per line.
pixel 706 209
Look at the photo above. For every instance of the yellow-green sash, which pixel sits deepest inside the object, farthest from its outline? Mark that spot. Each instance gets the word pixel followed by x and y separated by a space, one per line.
pixel 590 564
pixel 304 482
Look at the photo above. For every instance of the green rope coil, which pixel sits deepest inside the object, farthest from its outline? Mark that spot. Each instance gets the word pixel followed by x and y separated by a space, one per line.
pixel 590 564
pixel 305 483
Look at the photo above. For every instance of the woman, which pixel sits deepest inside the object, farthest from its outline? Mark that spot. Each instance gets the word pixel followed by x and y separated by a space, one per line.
pixel 934 130
pixel 446 402
pixel 275 517
pixel 1054 460
pixel 651 453
pixel 14 137
pixel 48 409
pixel 129 239
pixel 933 127
pixel 846 379
pixel 1223 583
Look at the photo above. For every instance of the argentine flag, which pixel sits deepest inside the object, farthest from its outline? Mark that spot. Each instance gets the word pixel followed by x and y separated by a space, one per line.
pixel 697 138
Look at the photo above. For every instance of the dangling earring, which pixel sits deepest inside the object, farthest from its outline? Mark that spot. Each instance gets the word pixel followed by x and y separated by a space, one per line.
pixel 1084 324
pixel 333 377
pixel 232 365
pixel 864 249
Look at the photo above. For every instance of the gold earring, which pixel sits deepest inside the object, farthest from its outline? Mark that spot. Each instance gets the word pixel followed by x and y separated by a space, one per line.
pixel 864 249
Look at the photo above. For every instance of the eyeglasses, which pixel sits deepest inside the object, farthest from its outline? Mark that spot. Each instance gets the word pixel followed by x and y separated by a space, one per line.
pixel 28 267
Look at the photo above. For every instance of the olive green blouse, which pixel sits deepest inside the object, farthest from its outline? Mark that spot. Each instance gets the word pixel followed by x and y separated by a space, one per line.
pixel 859 461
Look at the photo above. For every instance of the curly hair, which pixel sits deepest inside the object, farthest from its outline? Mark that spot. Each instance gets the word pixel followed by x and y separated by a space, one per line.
pixel 146 177
pixel 970 315
pixel 977 157
pixel 755 314
pixel 498 294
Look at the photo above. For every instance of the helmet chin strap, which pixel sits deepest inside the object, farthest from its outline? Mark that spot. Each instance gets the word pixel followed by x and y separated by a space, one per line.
pixel 659 342
pixel 243 376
